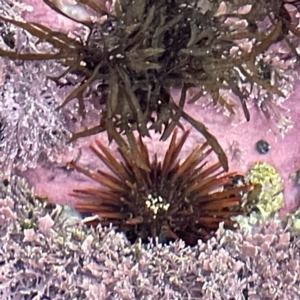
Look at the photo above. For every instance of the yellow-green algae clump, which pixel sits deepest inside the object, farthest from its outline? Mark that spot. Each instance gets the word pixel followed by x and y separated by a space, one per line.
pixel 269 197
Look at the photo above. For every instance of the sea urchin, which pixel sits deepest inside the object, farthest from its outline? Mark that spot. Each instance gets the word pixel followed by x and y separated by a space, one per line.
pixel 168 200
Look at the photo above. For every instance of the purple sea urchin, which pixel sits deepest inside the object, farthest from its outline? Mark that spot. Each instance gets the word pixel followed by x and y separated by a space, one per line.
pixel 169 200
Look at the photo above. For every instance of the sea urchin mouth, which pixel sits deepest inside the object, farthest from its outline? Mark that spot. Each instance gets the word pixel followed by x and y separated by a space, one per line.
pixel 169 200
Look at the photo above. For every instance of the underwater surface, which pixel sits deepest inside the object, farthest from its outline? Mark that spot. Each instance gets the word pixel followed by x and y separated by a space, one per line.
pixel 278 125
pixel 259 138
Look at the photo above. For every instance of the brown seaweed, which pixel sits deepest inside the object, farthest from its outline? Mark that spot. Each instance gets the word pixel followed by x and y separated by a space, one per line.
pixel 149 46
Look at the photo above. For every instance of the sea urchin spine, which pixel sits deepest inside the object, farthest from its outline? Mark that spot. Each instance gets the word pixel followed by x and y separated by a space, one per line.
pixel 169 200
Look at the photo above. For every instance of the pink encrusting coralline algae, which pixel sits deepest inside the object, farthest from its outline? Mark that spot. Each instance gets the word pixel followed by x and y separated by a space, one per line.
pixel 46 250
pixel 47 253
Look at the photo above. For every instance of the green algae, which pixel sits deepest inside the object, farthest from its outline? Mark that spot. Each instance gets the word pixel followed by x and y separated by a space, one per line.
pixel 269 199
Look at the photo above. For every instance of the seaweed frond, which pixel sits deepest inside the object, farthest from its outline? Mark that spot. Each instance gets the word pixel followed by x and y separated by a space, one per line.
pixel 146 47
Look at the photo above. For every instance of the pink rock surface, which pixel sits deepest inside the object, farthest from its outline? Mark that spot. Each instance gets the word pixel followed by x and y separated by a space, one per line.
pixel 284 154
pixel 236 136
pixel 40 12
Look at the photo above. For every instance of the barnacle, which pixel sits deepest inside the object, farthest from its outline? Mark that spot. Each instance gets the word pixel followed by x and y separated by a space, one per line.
pixel 172 199
pixel 146 47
